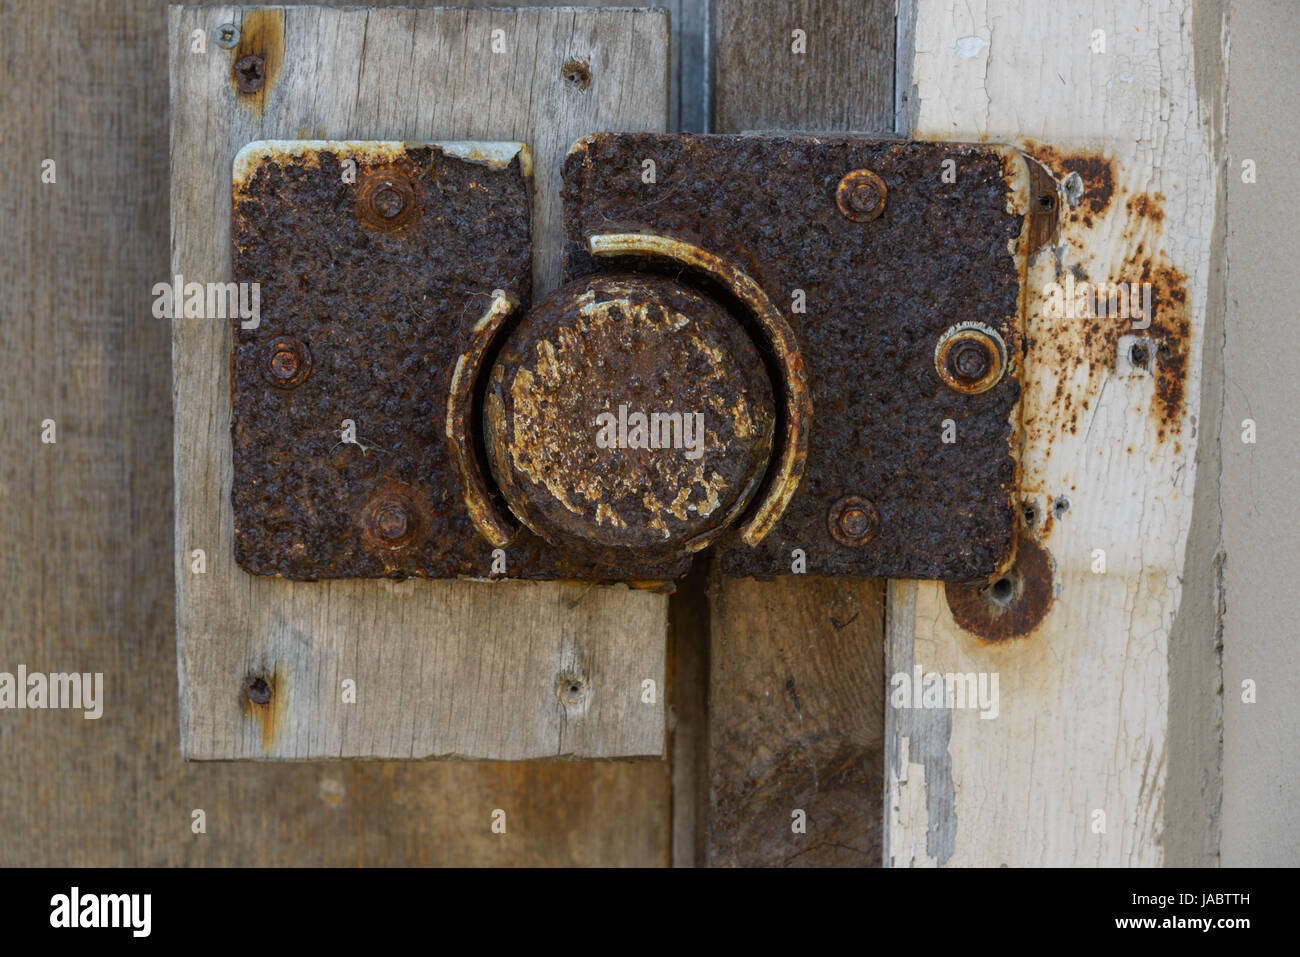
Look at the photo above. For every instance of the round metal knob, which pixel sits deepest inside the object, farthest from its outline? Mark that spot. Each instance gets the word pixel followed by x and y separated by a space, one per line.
pixel 628 418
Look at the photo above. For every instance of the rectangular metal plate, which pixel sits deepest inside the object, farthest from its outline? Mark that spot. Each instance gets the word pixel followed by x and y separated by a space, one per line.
pixel 868 302
pixel 374 261
pixel 381 307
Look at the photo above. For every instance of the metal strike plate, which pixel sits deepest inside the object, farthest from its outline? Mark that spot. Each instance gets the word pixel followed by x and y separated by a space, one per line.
pixel 830 306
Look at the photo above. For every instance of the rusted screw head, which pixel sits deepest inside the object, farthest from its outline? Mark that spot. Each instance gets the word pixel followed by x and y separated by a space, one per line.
pixel 392 518
pixel 250 73
pixel 861 195
pixel 387 200
pixel 284 364
pixel 970 357
pixel 390 521
pixel 970 360
pixel 288 362
pixel 227 36
pixel 853 521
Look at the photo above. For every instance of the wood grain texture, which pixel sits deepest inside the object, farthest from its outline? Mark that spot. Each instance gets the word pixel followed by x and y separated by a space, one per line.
pixel 1073 770
pixel 86 533
pixel 796 722
pixel 796 688
pixel 441 668
pixel 843 82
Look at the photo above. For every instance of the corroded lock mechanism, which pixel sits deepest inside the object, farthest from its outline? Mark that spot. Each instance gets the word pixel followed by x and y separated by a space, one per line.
pixel 803 352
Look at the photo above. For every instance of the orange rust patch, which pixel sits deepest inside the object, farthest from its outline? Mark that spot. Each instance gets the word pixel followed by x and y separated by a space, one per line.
pixel 1096 171
pixel 1013 604
pixel 1147 207
pixel 261 34
pixel 262 696
pixel 1095 339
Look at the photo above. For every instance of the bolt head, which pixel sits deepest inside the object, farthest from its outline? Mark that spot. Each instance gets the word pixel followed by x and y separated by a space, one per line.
pixel 861 195
pixel 288 362
pixel 853 521
pixel 970 357
pixel 970 360
pixel 284 364
pixel 863 198
pixel 387 202
pixel 390 521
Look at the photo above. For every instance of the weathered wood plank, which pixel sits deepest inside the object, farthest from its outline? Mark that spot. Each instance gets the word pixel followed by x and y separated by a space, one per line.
pixel 462 669
pixel 842 82
pixel 1073 769
pixel 86 535
pixel 796 687
pixel 795 723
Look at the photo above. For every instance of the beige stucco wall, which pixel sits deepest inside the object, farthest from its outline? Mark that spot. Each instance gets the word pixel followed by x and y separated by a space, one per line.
pixel 1260 484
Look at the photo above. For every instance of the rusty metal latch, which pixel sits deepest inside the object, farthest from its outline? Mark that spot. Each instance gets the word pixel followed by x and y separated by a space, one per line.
pixel 803 352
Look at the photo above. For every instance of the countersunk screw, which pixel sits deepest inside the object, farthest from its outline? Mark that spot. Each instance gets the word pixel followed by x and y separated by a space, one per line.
pixel 970 357
pixel 289 362
pixel 861 195
pixel 250 73
pixel 853 521
pixel 227 35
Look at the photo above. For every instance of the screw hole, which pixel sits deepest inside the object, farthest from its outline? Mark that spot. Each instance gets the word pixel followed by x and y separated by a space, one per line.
pixel 1046 202
pixel 576 74
pixel 1002 591
pixel 257 690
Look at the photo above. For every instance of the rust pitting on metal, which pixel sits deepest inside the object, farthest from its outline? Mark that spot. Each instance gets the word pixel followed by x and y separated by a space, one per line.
pixel 386 316
pixel 249 73
pixel 774 333
pixel 1013 603
pixel 877 300
pixel 628 419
